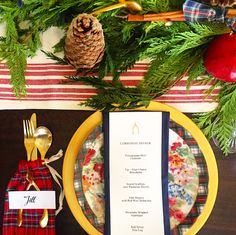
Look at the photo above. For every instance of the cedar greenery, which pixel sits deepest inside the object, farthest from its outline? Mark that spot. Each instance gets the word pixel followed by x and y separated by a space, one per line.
pixel 173 50
pixel 220 122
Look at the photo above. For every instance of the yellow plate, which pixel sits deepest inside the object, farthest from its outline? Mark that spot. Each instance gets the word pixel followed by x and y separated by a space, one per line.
pixel 93 121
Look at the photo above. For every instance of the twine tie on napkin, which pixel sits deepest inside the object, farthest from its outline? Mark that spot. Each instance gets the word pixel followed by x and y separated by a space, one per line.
pixel 200 12
pixel 55 176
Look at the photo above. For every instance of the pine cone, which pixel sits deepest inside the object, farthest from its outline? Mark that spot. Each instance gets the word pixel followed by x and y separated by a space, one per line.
pixel 84 43
pixel 221 3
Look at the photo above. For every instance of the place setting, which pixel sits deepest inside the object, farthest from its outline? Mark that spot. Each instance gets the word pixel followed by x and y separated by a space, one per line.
pixel 158 81
pixel 30 198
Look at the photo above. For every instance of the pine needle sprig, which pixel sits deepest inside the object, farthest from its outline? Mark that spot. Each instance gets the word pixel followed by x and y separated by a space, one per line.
pixel 201 34
pixel 59 47
pixel 155 5
pixel 17 62
pixel 216 125
pixel 118 98
pixel 162 39
pixel 112 95
pixel 160 5
pixel 57 59
pixel 176 54
pixel 93 81
pixel 14 54
pixel 116 59
pixel 219 123
pixel 206 121
pixel 164 73
pixel 197 70
pixel 175 51
pixel 227 100
pixel 217 84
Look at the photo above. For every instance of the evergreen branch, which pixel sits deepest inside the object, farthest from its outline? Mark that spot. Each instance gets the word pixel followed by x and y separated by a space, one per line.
pixel 60 45
pixel 103 85
pixel 200 35
pixel 164 73
pixel 93 81
pixel 219 123
pixel 222 132
pixel 116 59
pixel 228 101
pixel 58 60
pixel 118 98
pixel 16 62
pixel 112 95
pixel 216 84
pixel 157 46
pixel 196 71
pixel 155 5
pixel 126 42
pixel 206 122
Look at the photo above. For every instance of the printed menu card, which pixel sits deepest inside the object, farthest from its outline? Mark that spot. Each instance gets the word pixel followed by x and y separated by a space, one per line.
pixel 136 172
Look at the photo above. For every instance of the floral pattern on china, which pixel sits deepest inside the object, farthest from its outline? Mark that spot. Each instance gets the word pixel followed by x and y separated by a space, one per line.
pixel 182 181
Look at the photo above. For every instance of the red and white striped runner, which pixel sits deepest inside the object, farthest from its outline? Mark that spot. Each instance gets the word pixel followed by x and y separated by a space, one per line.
pixel 47 88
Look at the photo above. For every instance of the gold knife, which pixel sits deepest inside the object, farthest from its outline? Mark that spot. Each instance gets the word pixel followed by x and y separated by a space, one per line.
pixel 33 120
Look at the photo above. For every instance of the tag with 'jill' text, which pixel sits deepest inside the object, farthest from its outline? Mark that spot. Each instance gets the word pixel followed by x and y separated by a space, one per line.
pixel 32 200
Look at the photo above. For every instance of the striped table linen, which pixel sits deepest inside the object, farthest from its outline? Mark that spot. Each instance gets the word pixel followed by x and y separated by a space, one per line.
pixel 47 88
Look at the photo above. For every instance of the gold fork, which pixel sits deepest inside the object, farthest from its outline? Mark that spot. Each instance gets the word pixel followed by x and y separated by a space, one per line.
pixel 28 138
pixel 29 146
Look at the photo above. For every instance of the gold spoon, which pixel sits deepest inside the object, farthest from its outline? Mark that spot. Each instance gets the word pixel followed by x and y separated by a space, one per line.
pixel 43 140
pixel 130 5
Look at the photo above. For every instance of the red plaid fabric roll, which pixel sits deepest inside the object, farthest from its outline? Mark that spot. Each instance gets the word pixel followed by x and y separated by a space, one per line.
pixel 31 217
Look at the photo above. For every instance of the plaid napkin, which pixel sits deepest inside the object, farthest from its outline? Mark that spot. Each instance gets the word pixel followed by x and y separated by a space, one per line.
pixel 199 12
pixel 31 217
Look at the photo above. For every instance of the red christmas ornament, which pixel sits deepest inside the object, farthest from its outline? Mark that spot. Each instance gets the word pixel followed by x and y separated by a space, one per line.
pixel 220 58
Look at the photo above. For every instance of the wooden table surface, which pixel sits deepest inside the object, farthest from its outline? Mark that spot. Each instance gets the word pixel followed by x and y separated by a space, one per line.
pixel 63 124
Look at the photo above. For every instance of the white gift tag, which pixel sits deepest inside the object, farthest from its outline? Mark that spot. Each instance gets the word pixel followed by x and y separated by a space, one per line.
pixel 32 200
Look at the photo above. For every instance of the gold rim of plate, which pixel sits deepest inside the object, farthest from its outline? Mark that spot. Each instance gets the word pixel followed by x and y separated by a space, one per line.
pixel 93 121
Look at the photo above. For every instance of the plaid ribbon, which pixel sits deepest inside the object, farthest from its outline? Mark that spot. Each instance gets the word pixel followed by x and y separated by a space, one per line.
pixel 199 204
pixel 200 12
pixel 31 217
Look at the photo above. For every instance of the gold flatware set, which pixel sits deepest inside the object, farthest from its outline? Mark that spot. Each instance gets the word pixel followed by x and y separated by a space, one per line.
pixel 35 139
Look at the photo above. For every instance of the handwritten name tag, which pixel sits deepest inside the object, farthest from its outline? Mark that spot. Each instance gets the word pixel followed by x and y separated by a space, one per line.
pixel 32 199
